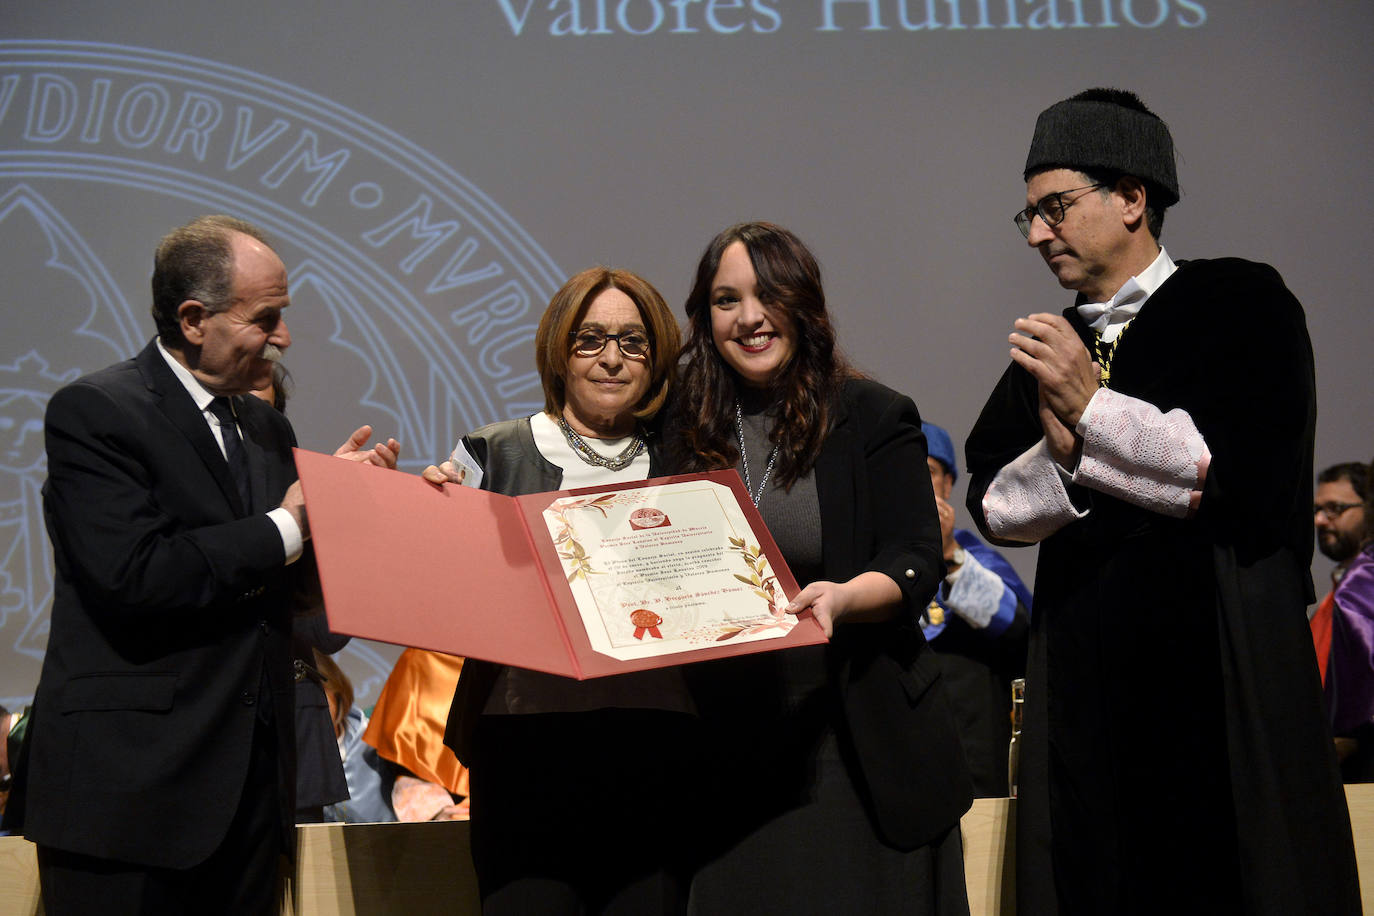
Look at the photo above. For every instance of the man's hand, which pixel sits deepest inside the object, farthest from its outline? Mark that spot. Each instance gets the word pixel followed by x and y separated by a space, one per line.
pixel 293 501
pixel 1065 445
pixel 1048 348
pixel 448 472
pixel 381 455
pixel 946 513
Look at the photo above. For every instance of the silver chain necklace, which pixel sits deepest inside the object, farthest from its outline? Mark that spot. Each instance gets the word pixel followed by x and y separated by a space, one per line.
pixel 744 459
pixel 593 457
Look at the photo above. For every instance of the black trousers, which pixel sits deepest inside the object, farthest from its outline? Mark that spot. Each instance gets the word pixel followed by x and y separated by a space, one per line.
pixel 243 876
pixel 580 813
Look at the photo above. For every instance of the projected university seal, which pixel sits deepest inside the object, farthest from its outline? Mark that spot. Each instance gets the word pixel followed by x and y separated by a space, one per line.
pixel 398 264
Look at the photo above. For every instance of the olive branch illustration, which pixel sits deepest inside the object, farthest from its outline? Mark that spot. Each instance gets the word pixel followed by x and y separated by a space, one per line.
pixel 762 583
pixel 565 539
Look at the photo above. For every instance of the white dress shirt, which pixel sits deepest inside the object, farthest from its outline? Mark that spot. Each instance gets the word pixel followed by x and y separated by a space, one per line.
pixel 291 539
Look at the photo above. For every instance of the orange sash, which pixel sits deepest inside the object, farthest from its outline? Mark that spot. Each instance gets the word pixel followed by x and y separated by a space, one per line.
pixel 407 725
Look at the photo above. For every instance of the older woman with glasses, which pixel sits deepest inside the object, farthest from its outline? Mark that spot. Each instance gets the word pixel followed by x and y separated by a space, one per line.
pixel 574 782
pixel 839 777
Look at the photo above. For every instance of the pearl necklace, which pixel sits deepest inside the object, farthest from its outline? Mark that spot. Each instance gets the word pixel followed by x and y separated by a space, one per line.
pixel 744 459
pixel 595 458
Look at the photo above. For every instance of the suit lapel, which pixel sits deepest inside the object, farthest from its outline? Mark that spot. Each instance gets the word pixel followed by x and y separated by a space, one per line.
pixel 180 410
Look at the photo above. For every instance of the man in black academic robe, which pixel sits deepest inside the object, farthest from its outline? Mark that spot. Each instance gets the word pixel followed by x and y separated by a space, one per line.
pixel 1156 440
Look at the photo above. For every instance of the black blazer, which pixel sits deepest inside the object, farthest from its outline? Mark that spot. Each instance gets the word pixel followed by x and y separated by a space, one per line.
pixel 878 513
pixel 170 616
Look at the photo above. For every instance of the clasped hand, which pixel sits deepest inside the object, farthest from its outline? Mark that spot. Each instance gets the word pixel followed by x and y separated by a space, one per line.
pixel 947 542
pixel 1049 349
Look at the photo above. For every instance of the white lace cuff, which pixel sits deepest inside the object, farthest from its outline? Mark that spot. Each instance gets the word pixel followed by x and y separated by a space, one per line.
pixel 976 594
pixel 1157 461
pixel 1027 500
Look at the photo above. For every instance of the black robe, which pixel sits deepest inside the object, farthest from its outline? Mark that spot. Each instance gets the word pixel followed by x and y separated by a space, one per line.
pixel 1177 758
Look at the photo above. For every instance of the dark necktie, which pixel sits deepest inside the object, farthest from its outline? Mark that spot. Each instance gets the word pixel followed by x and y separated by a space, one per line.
pixel 233 449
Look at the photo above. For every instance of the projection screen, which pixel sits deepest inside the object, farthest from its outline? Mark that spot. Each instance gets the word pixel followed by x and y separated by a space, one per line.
pixel 432 171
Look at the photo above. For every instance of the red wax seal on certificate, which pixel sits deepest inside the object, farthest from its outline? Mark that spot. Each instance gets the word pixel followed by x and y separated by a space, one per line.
pixel 648 518
pixel 646 622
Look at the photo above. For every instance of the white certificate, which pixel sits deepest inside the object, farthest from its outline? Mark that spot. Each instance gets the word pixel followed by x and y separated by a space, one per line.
pixel 667 568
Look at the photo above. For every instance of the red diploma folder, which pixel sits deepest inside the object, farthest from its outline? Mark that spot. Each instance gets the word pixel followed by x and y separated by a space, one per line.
pixel 478 574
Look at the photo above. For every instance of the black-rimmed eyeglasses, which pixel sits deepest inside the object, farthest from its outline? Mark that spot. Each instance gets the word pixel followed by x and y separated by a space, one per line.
pixel 1333 511
pixel 1051 208
pixel 590 342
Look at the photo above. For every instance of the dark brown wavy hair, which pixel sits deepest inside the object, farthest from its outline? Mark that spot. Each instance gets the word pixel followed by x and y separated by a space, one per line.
pixel 789 281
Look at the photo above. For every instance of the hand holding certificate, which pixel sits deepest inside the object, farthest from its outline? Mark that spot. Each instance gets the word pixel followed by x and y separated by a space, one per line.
pixel 580 583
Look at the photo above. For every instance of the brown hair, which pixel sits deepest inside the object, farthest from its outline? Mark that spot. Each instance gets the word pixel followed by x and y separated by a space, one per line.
pixel 553 346
pixel 195 261
pixel 789 280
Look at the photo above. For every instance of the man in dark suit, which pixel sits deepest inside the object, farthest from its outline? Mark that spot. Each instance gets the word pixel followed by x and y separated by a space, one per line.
pixel 160 773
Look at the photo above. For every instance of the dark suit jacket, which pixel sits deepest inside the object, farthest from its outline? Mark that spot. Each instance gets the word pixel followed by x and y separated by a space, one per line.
pixel 169 620
pixel 320 778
